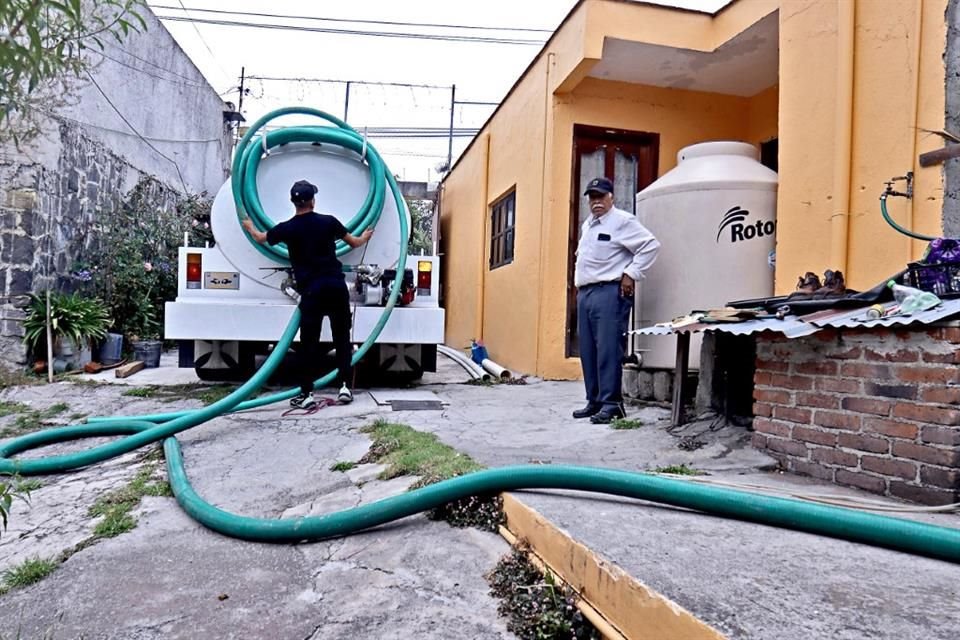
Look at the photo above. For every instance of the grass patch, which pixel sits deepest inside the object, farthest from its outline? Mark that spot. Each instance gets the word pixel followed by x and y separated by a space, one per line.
pixel 174 393
pixel 535 605
pixel 8 408
pixel 33 419
pixel 115 507
pixel 28 572
pixel 140 392
pixel 679 470
pixel 343 465
pixel 408 452
pixel 626 423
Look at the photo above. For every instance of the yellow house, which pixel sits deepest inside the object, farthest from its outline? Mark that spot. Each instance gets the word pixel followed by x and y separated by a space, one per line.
pixel 839 96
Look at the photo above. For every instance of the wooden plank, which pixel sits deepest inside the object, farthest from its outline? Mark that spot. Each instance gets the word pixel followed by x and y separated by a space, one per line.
pixel 633 609
pixel 128 370
pixel 939 156
pixel 680 378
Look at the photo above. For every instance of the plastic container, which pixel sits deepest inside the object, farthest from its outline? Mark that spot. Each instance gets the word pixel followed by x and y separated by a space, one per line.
pixel 148 351
pixel 111 349
pixel 912 300
pixel 715 217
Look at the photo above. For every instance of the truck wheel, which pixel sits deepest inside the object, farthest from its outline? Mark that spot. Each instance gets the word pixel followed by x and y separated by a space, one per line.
pixel 223 361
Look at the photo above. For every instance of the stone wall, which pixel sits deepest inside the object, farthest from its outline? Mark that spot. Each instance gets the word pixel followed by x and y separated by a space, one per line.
pixel 47 221
pixel 873 408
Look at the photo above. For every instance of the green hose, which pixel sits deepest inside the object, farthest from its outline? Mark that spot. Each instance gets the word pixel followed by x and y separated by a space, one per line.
pixel 903 230
pixel 893 533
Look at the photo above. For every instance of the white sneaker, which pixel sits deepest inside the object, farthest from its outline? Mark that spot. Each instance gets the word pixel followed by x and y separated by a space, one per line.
pixel 345 397
pixel 303 401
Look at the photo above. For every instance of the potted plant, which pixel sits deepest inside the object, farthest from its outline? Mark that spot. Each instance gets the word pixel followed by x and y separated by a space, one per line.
pixel 75 320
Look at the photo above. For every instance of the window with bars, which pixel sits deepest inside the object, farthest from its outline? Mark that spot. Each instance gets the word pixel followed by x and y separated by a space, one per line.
pixel 502 221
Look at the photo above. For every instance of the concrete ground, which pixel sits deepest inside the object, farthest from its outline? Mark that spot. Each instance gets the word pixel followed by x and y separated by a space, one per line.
pixel 170 577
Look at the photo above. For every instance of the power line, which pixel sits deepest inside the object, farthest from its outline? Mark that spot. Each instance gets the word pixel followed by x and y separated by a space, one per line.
pixel 351 20
pixel 333 81
pixel 148 62
pixel 355 32
pixel 147 73
pixel 134 129
pixel 200 35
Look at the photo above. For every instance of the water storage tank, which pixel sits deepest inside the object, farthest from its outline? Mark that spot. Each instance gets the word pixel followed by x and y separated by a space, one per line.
pixel 715 217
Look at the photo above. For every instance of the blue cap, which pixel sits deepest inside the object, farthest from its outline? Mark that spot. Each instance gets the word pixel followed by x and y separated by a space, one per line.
pixel 599 185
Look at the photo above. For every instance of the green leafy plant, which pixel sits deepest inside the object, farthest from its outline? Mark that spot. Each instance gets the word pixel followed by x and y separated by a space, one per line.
pixel 135 271
pixel 45 47
pixel 8 493
pixel 73 317
pixel 343 465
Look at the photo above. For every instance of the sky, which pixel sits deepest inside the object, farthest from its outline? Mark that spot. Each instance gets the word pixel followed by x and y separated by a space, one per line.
pixel 481 71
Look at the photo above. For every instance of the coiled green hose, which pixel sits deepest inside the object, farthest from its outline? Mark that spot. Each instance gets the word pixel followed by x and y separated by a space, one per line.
pixel 893 533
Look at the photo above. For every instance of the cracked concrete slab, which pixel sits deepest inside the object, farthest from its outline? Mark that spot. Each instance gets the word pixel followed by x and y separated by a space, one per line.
pixel 172 578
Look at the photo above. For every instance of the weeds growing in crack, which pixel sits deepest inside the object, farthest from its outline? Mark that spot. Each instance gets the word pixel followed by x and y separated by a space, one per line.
pixel 115 507
pixel 535 604
pixel 30 420
pixel 27 572
pixel 407 451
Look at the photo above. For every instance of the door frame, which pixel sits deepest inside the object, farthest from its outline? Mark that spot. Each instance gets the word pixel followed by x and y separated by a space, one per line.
pixel 587 137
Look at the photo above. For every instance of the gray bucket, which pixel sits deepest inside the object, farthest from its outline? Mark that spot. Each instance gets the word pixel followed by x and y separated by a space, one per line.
pixel 111 349
pixel 149 352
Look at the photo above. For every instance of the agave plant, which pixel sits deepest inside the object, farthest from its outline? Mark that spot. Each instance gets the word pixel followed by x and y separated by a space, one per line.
pixel 73 317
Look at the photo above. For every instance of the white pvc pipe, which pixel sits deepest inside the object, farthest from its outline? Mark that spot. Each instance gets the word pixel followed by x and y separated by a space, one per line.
pixel 471 367
pixel 495 369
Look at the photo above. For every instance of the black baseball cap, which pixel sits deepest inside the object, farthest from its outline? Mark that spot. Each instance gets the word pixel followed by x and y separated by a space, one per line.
pixel 599 185
pixel 302 191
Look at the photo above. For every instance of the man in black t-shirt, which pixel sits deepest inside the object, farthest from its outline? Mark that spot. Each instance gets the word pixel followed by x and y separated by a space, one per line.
pixel 311 241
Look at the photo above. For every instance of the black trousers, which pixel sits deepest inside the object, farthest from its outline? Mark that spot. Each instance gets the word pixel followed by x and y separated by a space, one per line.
pixel 327 299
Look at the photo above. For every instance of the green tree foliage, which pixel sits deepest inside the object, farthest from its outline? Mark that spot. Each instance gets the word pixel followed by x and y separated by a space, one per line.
pixel 421 227
pixel 44 49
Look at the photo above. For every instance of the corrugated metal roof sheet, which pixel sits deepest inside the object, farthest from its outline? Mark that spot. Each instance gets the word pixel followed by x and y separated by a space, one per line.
pixel 798 326
pixel 790 326
pixel 857 318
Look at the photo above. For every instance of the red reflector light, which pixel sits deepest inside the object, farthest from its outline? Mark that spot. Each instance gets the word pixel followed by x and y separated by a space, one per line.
pixel 194 268
pixel 424 274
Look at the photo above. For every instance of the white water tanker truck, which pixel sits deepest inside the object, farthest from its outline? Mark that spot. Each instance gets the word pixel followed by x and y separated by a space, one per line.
pixel 235 298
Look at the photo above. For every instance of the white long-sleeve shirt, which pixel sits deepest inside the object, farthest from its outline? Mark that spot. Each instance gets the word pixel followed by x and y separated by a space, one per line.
pixel 613 245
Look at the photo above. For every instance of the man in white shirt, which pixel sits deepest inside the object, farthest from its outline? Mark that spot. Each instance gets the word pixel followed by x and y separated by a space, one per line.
pixel 614 251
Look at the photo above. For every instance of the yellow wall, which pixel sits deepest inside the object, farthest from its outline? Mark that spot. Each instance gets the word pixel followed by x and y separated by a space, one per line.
pixel 506 319
pixel 519 310
pixel 890 102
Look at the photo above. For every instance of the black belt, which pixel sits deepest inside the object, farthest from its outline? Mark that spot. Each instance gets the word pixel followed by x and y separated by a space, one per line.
pixel 598 284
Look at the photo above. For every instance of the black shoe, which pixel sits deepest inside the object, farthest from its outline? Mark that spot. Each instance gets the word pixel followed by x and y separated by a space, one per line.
pixel 587 411
pixel 607 415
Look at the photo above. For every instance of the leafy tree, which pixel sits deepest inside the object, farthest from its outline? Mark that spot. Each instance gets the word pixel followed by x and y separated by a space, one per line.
pixel 421 227
pixel 44 49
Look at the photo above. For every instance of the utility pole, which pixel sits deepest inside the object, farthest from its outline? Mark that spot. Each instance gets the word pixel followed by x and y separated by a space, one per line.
pixel 453 104
pixel 346 102
pixel 243 75
pixel 242 78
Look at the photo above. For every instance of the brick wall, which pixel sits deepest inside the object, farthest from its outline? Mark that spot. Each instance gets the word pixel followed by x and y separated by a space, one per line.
pixel 875 409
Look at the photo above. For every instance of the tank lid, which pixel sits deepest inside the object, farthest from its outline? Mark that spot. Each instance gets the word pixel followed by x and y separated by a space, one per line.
pixel 711 166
